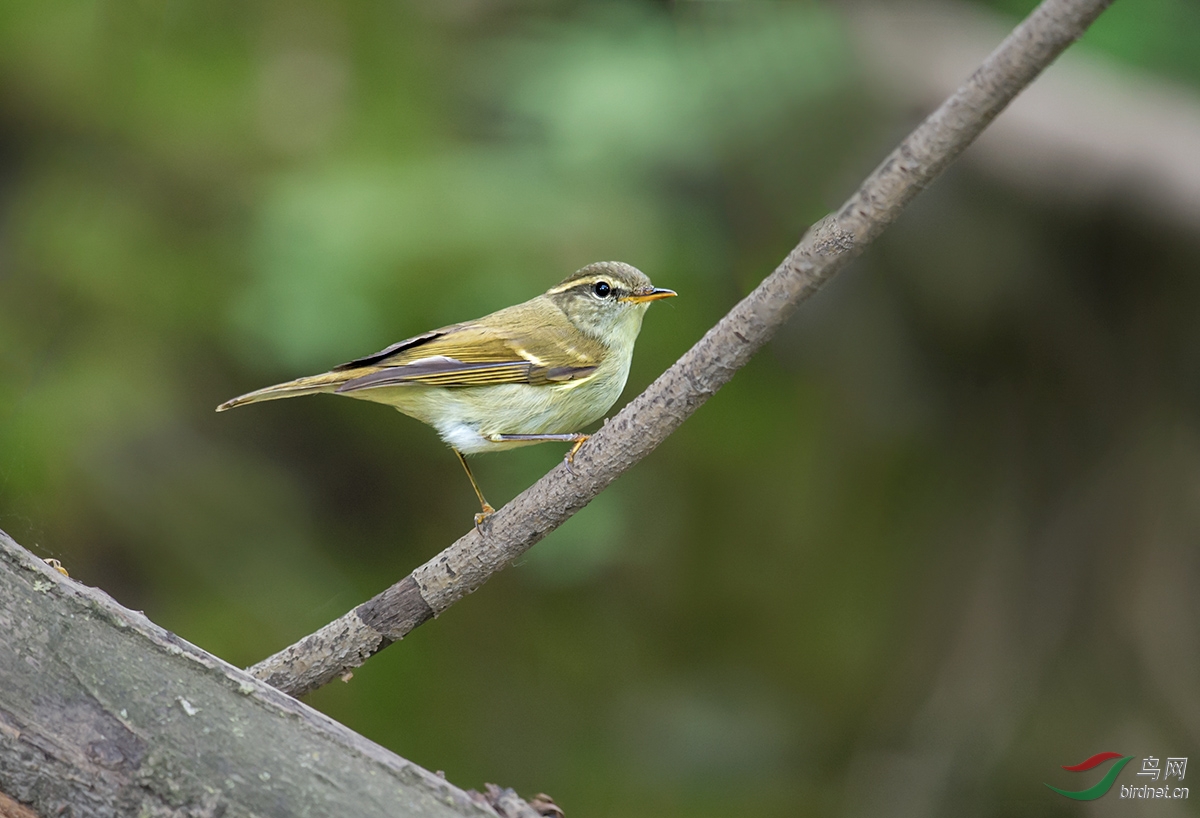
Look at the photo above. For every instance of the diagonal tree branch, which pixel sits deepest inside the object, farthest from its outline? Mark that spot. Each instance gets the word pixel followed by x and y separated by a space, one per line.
pixel 104 714
pixel 642 425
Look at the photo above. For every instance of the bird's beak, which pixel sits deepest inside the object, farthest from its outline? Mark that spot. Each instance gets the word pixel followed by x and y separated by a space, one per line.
pixel 650 294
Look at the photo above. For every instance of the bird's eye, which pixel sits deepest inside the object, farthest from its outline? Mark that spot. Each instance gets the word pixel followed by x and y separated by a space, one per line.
pixel 602 288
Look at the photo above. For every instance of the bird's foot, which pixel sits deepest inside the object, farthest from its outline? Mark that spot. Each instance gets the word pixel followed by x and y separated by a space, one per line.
pixel 570 458
pixel 488 511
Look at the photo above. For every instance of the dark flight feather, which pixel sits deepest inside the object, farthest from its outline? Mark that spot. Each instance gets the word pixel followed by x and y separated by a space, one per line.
pixel 480 353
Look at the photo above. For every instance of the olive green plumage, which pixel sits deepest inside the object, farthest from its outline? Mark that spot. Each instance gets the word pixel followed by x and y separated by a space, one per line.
pixel 540 370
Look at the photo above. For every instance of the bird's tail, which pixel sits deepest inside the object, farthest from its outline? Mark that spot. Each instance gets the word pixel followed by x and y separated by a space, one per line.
pixel 325 382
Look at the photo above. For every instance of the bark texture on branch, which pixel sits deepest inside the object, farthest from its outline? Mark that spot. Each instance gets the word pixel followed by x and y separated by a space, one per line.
pixel 103 713
pixel 642 425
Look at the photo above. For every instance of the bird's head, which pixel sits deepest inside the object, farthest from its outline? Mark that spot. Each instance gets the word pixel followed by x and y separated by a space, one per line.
pixel 607 300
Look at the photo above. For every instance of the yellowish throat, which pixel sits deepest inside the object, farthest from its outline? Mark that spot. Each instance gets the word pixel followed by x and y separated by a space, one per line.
pixel 535 372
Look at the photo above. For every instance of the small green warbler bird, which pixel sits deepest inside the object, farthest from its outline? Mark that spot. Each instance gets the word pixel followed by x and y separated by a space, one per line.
pixel 527 374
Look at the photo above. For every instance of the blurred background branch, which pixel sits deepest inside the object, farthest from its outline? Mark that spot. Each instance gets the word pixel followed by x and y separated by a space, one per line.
pixel 1090 132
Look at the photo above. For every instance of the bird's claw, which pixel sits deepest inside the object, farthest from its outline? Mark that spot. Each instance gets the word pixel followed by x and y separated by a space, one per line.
pixel 570 458
pixel 488 511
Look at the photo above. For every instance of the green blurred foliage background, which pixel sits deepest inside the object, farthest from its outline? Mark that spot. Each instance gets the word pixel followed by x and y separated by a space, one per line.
pixel 938 539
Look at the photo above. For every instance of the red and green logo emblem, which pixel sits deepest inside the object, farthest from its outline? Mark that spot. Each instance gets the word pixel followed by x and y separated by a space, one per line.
pixel 1100 787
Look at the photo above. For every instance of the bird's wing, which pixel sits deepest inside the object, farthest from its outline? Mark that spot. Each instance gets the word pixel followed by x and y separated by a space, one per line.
pixel 479 353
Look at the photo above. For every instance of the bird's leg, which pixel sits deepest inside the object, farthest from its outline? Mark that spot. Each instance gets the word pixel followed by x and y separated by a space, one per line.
pixel 570 458
pixel 487 507
pixel 571 437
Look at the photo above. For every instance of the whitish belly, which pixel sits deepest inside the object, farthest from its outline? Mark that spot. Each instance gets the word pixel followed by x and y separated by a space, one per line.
pixel 467 417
